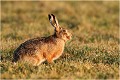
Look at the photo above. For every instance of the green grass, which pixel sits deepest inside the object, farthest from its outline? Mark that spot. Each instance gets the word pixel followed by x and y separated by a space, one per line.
pixel 93 52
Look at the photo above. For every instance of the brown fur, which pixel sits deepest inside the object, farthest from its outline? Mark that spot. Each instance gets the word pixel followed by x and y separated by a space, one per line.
pixel 39 49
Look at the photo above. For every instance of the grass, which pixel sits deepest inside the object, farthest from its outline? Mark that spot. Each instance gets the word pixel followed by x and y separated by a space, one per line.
pixel 93 52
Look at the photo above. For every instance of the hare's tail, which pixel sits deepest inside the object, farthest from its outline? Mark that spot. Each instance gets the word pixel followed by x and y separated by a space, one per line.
pixel 15 58
pixel 14 61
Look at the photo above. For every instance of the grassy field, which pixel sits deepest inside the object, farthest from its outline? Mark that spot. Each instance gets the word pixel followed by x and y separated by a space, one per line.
pixel 93 52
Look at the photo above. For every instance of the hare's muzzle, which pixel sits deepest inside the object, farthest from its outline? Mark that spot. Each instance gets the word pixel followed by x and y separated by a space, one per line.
pixel 69 37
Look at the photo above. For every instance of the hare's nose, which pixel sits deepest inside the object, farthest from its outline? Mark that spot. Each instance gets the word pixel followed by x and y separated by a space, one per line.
pixel 70 34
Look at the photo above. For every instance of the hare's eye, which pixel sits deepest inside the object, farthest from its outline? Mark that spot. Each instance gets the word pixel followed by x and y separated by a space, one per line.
pixel 60 28
pixel 64 30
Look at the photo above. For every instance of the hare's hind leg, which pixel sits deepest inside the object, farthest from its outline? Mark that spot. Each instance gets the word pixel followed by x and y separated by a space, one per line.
pixel 39 60
pixel 42 60
pixel 51 58
pixel 33 60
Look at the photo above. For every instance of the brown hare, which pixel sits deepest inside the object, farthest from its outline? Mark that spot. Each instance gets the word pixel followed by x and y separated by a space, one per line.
pixel 37 50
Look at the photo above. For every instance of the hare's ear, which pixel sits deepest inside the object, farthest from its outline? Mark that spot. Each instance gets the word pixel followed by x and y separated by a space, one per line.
pixel 54 22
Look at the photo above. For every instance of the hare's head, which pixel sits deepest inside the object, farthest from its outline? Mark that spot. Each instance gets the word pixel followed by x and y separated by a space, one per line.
pixel 59 32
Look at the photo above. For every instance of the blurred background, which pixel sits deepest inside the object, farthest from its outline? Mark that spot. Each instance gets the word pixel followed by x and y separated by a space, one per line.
pixel 92 52
pixel 32 16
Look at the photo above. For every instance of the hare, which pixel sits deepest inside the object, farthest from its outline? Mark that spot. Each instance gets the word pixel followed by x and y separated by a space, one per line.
pixel 37 50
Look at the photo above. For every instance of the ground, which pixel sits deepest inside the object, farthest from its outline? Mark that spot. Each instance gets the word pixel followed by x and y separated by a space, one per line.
pixel 93 52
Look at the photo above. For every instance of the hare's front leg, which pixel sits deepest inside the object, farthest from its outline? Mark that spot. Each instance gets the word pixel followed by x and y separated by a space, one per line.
pixel 52 57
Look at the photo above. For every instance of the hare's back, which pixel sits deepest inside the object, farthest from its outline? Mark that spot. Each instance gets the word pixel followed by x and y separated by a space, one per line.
pixel 29 46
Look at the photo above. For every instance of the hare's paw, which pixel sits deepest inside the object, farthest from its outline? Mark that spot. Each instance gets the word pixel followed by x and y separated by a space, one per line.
pixel 42 60
pixel 50 60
